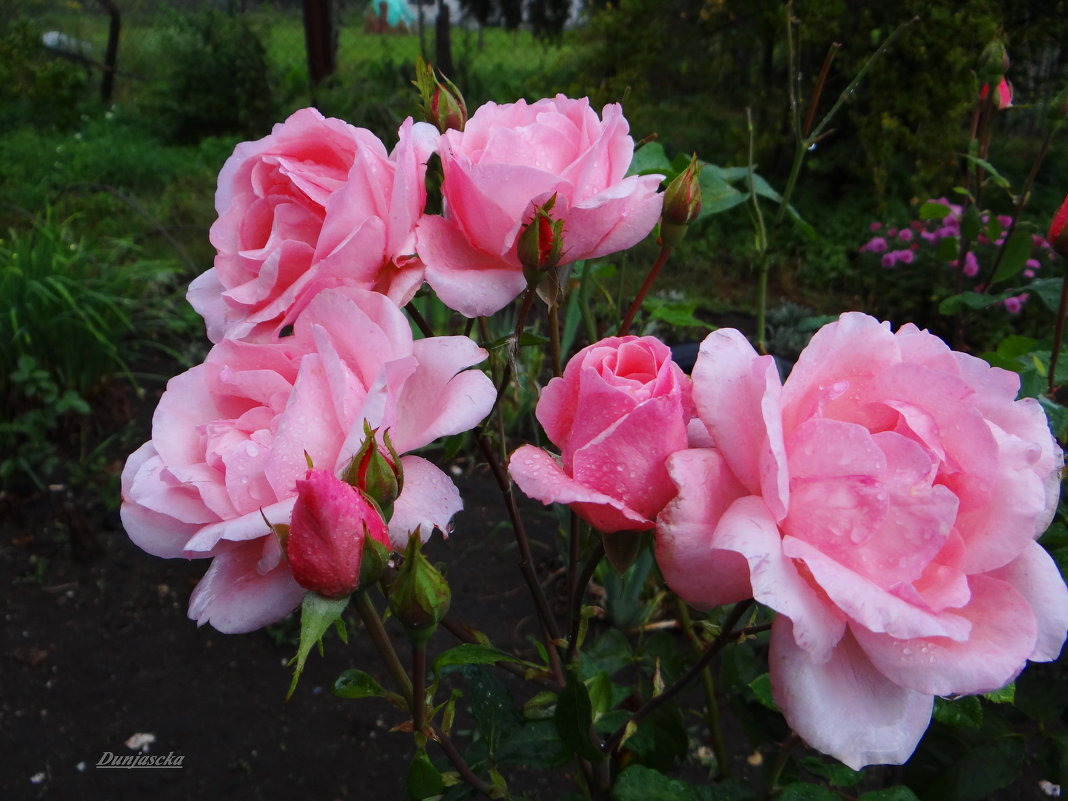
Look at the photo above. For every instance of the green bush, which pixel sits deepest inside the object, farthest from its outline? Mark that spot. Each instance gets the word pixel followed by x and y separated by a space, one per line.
pixel 37 87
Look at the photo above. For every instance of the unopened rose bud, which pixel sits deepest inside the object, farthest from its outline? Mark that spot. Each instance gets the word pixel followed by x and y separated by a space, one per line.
pixel 419 596
pixel 993 62
pixel 1002 94
pixel 380 476
pixel 331 525
pixel 541 242
pixel 682 203
pixel 443 104
pixel 1058 230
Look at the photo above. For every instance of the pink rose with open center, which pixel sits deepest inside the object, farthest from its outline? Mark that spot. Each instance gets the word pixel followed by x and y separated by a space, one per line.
pixel 885 502
pixel 511 158
pixel 618 411
pixel 317 203
pixel 231 438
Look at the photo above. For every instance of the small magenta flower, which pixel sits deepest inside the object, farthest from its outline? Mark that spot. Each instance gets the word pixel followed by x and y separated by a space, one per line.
pixel 889 259
pixel 332 523
pixel 876 245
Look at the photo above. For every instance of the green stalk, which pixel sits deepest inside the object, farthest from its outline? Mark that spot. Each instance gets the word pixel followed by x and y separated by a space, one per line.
pixel 383 644
pixel 715 728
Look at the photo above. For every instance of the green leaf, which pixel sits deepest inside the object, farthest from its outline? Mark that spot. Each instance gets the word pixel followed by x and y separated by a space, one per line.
pixel 639 783
pixel 676 313
pixel 761 687
pixel 650 158
pixel 660 739
pixel 472 654
pixel 970 300
pixel 1014 257
pixel 948 248
pixel 317 614
pixel 966 711
pixel 610 652
pixel 574 719
pixel 932 210
pixel 1048 291
pixel 970 222
pixel 728 790
pixel 801 791
pixel 354 683
pixel 898 793
pixel 996 176
pixel 600 691
pixel 491 705
pixel 1006 695
pixel 424 780
pixel 835 773
pixel 716 194
pixel 536 744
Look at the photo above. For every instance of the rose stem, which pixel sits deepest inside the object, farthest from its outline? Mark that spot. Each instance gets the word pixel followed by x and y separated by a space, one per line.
pixel 462 767
pixel 419 320
pixel 670 692
pixel 1058 331
pixel 588 569
pixel 1021 201
pixel 654 271
pixel 380 638
pixel 526 558
pixel 712 718
pixel 418 685
pixel 462 632
pixel 574 541
pixel 554 336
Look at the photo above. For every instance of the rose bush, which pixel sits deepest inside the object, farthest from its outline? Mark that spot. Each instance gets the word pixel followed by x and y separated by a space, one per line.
pixel 510 158
pixel 885 502
pixel 618 411
pixel 317 203
pixel 231 438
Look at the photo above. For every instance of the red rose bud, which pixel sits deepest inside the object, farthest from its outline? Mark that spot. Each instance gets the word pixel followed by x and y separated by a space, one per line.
pixel 993 62
pixel 682 203
pixel 419 596
pixel 1002 95
pixel 1058 230
pixel 443 103
pixel 541 242
pixel 331 524
pixel 381 477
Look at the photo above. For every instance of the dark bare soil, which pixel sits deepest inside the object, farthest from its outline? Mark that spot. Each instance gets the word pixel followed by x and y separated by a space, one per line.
pixel 97 649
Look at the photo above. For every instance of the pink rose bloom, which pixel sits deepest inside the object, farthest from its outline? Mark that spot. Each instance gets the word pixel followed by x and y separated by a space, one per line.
pixel 511 158
pixel 317 203
pixel 885 502
pixel 619 410
pixel 229 439
pixel 330 524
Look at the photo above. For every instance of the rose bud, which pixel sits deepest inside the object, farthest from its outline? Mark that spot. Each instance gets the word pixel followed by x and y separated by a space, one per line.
pixel 993 62
pixel 381 477
pixel 1002 94
pixel 443 103
pixel 419 596
pixel 541 242
pixel 682 203
pixel 331 524
pixel 1058 230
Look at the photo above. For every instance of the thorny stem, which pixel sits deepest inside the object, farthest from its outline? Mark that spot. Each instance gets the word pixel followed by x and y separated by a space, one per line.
pixel 580 585
pixel 636 304
pixel 1058 332
pixel 383 644
pixel 468 775
pixel 1021 201
pixel 554 336
pixel 711 706
pixel 717 645
pixel 761 244
pixel 418 685
pixel 813 104
pixel 419 320
pixel 526 558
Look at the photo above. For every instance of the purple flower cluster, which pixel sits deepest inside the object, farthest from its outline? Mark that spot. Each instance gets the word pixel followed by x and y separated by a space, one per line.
pixel 920 239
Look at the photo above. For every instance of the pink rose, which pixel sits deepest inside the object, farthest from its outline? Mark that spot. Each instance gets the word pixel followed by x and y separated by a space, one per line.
pixel 229 439
pixel 330 523
pixel 885 502
pixel 618 411
pixel 317 203
pixel 511 158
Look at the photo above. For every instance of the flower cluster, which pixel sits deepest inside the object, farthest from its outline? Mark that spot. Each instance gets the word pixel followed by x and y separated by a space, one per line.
pixel 884 501
pixel 937 241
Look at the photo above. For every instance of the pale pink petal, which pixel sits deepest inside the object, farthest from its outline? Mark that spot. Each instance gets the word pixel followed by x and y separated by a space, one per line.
pixel 540 477
pixel 737 394
pixel 235 597
pixel 614 220
pixel 701 575
pixel 1036 576
pixel 843 706
pixel 470 281
pixel 1003 635
pixel 428 501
